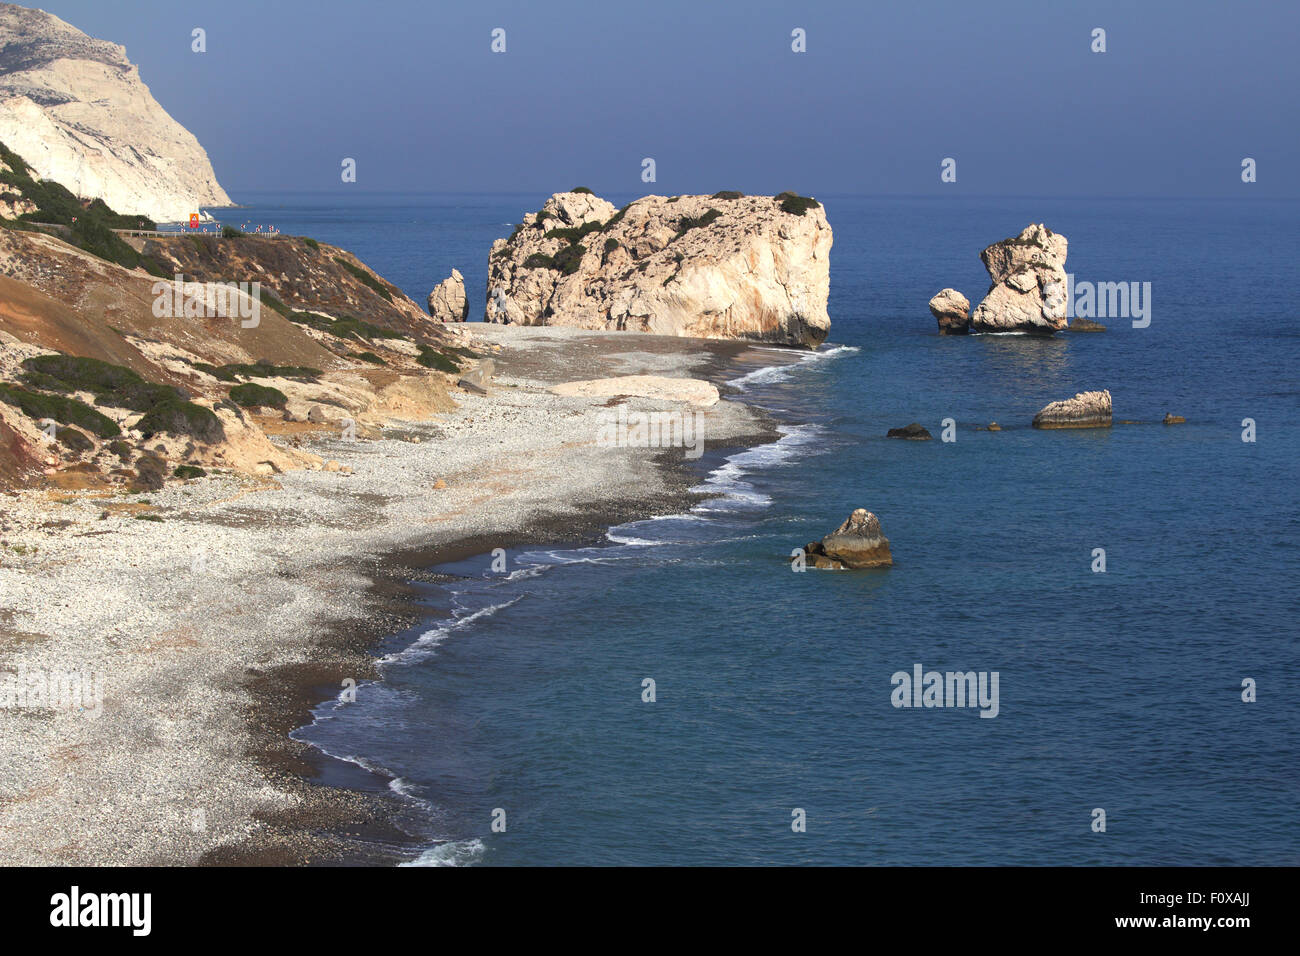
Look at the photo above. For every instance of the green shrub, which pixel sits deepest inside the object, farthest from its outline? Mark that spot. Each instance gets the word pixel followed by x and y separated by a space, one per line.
pixel 581 189
pixel 611 244
pixel 252 395
pixel 311 243
pixel 261 369
pixel 615 219
pixel 230 232
pixel 188 471
pixel 345 327
pixel 65 411
pixel 182 418
pixel 71 438
pixel 113 385
pixel 569 259
pixel 269 298
pixel 436 359
pixel 696 222
pixel 576 233
pixel 372 358
pixel 120 448
pixel 365 278
pixel 539 260
pixel 796 205
pixel 727 194
pixel 146 517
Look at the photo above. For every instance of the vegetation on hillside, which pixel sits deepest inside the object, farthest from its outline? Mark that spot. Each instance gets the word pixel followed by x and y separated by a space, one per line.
pixel 89 225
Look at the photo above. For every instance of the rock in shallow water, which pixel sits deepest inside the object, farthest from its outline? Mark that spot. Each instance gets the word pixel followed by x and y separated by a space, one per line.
pixel 912 432
pixel 857 543
pixel 1085 410
pixel 952 309
pixel 1029 284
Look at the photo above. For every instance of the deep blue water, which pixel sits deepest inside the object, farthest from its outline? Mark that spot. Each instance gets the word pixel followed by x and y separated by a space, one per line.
pixel 1118 690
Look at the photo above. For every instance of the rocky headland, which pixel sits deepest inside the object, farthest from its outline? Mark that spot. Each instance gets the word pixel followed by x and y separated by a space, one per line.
pixel 721 266
pixel 76 109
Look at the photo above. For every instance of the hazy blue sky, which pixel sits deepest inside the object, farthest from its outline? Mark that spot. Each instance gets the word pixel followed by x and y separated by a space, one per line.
pixel 712 91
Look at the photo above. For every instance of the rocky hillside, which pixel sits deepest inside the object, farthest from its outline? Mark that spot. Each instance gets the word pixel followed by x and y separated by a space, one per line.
pixel 108 378
pixel 75 108
pixel 720 266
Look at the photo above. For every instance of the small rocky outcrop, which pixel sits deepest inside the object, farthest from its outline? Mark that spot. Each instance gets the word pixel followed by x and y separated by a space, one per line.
pixel 1085 410
pixel 1029 284
pixel 447 301
pixel 952 310
pixel 721 266
pixel 857 543
pixel 912 432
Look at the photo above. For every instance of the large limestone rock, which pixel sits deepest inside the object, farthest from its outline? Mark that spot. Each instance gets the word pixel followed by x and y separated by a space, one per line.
pixel 750 267
pixel 1029 284
pixel 952 310
pixel 857 543
pixel 76 110
pixel 447 301
pixel 1085 410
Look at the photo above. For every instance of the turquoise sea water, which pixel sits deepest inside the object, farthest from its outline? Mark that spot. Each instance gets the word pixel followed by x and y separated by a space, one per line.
pixel 1118 690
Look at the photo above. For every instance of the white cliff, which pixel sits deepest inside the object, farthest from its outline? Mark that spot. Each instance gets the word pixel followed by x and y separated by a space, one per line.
pixel 75 108
pixel 721 266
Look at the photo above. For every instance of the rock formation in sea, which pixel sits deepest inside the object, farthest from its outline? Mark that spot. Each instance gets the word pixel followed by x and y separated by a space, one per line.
pixel 1029 284
pixel 913 432
pixel 720 266
pixel 1172 419
pixel 1028 291
pixel 447 301
pixel 857 543
pixel 1085 410
pixel 952 309
pixel 76 109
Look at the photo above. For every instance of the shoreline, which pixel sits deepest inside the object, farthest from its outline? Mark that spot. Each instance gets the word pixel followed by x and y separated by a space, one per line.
pixel 193 759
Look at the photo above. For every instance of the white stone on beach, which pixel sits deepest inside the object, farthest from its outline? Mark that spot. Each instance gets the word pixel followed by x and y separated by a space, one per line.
pixel 693 390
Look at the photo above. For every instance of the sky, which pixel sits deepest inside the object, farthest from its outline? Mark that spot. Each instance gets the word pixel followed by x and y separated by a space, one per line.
pixel 713 92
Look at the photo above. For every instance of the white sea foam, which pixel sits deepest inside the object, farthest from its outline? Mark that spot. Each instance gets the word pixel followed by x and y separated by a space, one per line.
pixel 775 373
pixel 426 642
pixel 454 853
pixel 727 481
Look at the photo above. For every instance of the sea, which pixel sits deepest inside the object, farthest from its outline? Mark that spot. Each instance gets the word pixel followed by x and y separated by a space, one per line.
pixel 675 693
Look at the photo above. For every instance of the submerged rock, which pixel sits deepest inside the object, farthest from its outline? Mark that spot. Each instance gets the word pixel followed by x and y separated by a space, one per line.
pixel 1029 284
pixel 447 301
pixel 1085 410
pixel 1085 325
pixel 912 432
pixel 858 542
pixel 952 310
pixel 721 266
